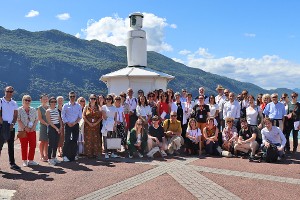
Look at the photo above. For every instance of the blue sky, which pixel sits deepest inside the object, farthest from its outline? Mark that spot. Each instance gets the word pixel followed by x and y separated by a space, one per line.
pixel 254 41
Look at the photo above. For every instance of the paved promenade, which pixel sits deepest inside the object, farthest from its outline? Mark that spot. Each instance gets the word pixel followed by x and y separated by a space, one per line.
pixel 171 178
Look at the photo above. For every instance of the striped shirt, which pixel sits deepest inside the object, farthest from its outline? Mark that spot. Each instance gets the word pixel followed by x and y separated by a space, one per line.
pixel 54 115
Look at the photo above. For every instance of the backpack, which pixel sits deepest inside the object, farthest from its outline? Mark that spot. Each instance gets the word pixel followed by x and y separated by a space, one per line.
pixel 271 153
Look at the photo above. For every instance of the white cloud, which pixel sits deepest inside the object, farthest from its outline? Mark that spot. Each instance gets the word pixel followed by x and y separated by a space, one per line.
pixel 78 35
pixel 63 16
pixel 173 26
pixel 269 71
pixel 114 30
pixel 204 53
pixel 178 60
pixel 184 52
pixel 32 13
pixel 252 35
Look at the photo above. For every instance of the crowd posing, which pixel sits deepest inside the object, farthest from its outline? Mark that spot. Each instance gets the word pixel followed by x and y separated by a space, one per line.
pixel 160 123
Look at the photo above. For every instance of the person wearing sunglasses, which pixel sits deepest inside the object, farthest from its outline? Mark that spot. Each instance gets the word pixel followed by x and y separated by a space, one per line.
pixel 71 115
pixel 54 130
pixel 8 118
pixel 27 121
pixel 92 117
pixel 293 115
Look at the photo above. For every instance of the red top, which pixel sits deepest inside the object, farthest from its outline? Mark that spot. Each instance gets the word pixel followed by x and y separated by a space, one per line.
pixel 163 106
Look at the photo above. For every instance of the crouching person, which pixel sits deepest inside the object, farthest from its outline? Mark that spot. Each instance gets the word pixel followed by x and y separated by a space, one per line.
pixel 172 128
pixel 229 136
pixel 247 140
pixel 137 140
pixel 156 138
pixel 193 138
pixel 272 135
pixel 210 135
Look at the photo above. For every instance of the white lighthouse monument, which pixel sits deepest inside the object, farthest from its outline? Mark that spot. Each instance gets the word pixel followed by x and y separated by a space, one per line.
pixel 136 75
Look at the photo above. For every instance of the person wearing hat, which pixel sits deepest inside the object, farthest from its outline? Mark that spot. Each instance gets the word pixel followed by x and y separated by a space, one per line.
pixel 172 128
pixel 275 110
pixel 140 92
pixel 220 95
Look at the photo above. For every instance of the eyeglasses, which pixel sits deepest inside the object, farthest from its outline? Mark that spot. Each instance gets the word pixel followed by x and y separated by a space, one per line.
pixel 293 96
pixel 9 91
pixel 229 121
pixel 274 97
pixel 173 115
pixel 183 91
pixel 118 99
pixel 140 124
pixel 52 101
pixel 92 99
pixel 109 99
pixel 72 96
pixel 82 101
pixel 28 100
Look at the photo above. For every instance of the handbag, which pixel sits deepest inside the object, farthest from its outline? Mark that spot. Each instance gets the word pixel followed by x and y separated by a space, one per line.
pixel 113 143
pixel 22 134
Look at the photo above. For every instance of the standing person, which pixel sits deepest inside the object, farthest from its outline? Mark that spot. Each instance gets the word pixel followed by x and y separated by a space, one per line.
pixel 188 105
pixel 220 95
pixel 183 95
pixel 244 103
pixel 27 121
pixel 54 130
pixel 121 122
pixel 8 118
pixel 140 93
pixel 143 112
pixel 232 109
pixel 71 115
pixel 213 109
pixel 266 98
pixel 259 100
pixel 275 110
pixel 200 113
pixel 126 108
pixel 170 93
pixel 41 110
pixel 138 140
pixel 221 104
pixel 152 103
pixel 201 92
pixel 163 107
pixel 293 114
pixel 132 101
pixel 92 117
pixel 179 108
pixel 80 151
pixel 109 116
pixel 60 103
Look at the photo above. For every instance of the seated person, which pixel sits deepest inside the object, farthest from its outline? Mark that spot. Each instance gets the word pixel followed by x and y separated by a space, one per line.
pixel 247 139
pixel 210 136
pixel 156 138
pixel 229 136
pixel 172 128
pixel 273 135
pixel 137 140
pixel 193 138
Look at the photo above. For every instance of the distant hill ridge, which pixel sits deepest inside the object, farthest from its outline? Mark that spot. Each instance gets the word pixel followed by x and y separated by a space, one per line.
pixel 54 62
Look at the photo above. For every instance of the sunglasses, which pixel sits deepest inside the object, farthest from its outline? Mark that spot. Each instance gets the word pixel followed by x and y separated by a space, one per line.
pixel 72 96
pixel 293 96
pixel 173 115
pixel 82 101
pixel 92 99
pixel 183 91
pixel 229 121
pixel 28 100
pixel 118 99
pixel 139 124
pixel 52 101
pixel 9 91
pixel 109 99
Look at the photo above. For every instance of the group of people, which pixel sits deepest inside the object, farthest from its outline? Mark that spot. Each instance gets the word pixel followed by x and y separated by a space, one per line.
pixel 160 122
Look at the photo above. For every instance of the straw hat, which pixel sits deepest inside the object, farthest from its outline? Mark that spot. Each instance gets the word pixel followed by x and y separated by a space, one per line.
pixel 220 87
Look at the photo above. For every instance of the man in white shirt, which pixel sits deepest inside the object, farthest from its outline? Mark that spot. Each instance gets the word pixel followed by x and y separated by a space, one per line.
pixel 8 118
pixel 232 108
pixel 183 95
pixel 201 92
pixel 132 102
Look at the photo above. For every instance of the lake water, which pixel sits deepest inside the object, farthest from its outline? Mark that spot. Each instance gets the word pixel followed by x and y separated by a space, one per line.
pixel 36 104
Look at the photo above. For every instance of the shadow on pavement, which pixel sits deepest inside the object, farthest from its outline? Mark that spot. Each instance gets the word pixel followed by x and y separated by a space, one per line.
pixel 48 169
pixel 26 176
pixel 75 166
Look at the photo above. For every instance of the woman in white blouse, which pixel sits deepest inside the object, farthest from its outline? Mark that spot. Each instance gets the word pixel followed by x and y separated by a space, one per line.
pixel 27 120
pixel 254 113
pixel 121 122
pixel 143 111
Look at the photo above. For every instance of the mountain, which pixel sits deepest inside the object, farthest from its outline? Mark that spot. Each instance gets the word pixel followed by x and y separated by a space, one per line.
pixel 54 62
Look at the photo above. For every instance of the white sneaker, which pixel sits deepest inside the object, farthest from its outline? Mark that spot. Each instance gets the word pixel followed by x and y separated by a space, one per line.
pixel 51 162
pixel 114 155
pixel 139 154
pixel 106 156
pixel 65 159
pixel 163 153
pixel 31 162
pixel 25 164
pixel 130 156
pixel 56 160
pixel 76 157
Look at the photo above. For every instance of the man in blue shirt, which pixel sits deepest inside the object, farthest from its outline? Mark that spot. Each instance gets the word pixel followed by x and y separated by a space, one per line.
pixel 275 111
pixel 71 115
